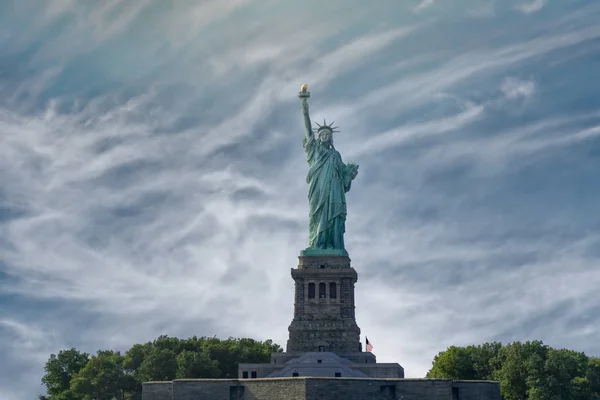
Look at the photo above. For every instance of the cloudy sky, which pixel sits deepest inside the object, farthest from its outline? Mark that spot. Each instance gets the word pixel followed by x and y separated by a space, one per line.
pixel 152 176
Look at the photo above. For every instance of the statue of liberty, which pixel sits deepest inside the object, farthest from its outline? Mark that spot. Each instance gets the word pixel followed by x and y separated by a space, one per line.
pixel 328 181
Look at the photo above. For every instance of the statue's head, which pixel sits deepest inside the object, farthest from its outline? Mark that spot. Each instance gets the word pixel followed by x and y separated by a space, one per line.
pixel 325 135
pixel 325 132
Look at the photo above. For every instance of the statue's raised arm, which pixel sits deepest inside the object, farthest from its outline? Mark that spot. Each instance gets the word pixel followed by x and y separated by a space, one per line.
pixel 304 95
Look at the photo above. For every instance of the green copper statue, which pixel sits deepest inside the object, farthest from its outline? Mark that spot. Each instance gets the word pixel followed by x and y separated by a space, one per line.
pixel 328 181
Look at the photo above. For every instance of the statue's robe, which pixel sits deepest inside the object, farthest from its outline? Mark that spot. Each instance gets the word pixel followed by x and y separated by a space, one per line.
pixel 328 181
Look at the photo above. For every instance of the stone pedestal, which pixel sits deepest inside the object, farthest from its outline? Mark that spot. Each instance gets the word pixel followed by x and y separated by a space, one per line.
pixel 324 318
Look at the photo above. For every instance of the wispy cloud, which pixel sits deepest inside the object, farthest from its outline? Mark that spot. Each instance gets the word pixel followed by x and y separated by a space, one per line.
pixel 514 88
pixel 423 4
pixel 25 347
pixel 396 137
pixel 531 7
pixel 112 17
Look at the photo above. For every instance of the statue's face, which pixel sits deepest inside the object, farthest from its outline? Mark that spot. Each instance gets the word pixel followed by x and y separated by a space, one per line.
pixel 325 136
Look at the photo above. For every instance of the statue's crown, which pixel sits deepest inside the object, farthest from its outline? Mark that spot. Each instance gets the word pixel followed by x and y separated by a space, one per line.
pixel 326 126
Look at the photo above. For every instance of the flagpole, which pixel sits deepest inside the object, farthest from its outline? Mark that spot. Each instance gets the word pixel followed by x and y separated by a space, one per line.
pixel 369 345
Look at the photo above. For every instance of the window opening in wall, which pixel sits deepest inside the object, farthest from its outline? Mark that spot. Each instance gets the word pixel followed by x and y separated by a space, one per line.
pixel 311 290
pixel 332 290
pixel 245 375
pixel 389 390
pixel 295 374
pixel 321 348
pixel 455 393
pixel 322 266
pixel 322 290
pixel 319 361
pixel 338 374
pixel 236 393
pixel 253 374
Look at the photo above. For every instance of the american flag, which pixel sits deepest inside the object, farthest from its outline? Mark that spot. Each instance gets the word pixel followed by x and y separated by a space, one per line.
pixel 369 346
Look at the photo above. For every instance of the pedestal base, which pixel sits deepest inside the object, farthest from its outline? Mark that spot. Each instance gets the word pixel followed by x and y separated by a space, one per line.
pixel 323 252
pixel 324 317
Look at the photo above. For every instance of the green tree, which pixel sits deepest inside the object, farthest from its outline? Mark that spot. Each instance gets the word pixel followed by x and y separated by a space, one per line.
pixel 109 375
pixel 469 363
pixel 565 375
pixel 131 387
pixel 521 366
pixel 59 371
pixel 485 360
pixel 158 365
pixel 231 352
pixel 101 378
pixel 135 356
pixel 454 363
pixel 593 377
pixel 529 370
pixel 191 364
pixel 164 342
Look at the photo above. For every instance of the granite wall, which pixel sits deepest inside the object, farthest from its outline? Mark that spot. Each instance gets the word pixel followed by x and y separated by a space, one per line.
pixel 309 388
pixel 157 390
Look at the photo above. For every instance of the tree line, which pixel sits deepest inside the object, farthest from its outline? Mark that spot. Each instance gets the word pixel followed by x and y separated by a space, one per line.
pixel 526 371
pixel 110 375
